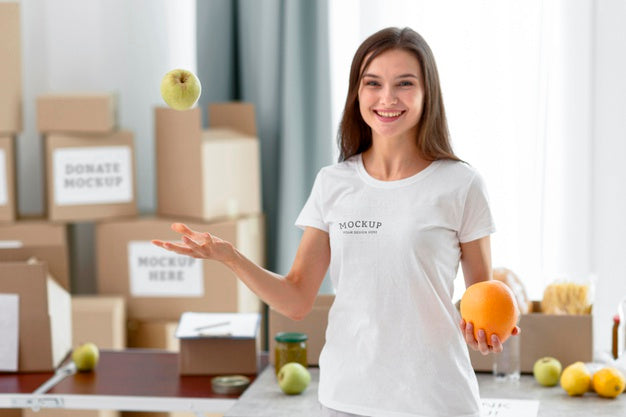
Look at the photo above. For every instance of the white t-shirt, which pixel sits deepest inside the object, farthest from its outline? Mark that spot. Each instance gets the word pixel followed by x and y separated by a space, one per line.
pixel 393 345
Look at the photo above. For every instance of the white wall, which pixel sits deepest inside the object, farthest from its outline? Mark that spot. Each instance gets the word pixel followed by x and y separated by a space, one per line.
pixel 609 165
pixel 101 45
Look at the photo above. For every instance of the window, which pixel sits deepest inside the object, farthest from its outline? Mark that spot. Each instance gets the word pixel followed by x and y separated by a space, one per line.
pixel 516 79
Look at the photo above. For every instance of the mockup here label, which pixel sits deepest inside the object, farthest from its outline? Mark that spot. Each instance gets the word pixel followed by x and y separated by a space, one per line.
pixel 92 175
pixel 4 195
pixel 154 272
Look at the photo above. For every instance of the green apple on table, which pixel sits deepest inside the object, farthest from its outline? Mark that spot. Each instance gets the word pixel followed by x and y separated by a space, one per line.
pixel 180 89
pixel 293 378
pixel 547 371
pixel 86 357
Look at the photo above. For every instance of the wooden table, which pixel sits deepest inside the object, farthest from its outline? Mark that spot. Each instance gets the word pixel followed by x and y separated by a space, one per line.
pixel 130 380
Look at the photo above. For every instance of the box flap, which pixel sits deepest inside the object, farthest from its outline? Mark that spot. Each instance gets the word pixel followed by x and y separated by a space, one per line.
pixel 38 232
pixel 60 312
pixel 218 325
pixel 235 115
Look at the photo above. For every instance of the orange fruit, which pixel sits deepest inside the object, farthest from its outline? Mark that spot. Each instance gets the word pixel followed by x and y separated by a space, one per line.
pixel 608 382
pixel 490 305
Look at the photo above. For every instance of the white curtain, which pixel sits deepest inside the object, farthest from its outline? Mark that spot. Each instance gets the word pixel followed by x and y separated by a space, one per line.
pixel 516 78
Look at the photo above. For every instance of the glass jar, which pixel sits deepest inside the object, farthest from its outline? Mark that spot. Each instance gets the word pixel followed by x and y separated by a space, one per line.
pixel 290 347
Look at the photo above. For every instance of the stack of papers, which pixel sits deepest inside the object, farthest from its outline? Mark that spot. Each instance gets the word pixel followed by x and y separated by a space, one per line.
pixel 231 325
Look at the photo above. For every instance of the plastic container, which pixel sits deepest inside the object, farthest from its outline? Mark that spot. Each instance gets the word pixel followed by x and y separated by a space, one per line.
pixel 290 347
pixel 506 364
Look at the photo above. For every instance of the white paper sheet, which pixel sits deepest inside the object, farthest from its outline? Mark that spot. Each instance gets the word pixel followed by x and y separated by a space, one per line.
pixel 501 407
pixel 9 329
pixel 236 325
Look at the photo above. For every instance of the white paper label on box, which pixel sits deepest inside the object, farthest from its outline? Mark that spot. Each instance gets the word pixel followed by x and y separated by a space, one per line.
pixel 4 180
pixel 9 329
pixel 92 175
pixel 11 244
pixel 155 272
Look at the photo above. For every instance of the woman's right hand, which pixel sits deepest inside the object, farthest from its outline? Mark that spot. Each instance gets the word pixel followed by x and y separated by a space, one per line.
pixel 199 245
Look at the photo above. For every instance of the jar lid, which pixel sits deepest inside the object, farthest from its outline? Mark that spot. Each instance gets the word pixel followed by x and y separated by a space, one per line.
pixel 230 384
pixel 290 337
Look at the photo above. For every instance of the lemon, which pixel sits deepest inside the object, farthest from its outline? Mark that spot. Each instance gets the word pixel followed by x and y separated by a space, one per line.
pixel 575 379
pixel 609 382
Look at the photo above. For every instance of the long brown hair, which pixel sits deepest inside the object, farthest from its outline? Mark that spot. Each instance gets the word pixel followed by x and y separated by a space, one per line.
pixel 433 138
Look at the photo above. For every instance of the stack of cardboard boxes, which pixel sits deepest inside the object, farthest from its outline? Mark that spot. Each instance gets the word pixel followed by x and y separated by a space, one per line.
pixel 10 105
pixel 209 179
pixel 90 167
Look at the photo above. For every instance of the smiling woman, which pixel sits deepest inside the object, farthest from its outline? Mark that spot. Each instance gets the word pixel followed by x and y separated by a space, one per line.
pixel 398 181
pixel 519 105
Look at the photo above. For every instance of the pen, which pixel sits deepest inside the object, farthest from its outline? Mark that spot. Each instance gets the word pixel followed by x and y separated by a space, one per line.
pixel 209 326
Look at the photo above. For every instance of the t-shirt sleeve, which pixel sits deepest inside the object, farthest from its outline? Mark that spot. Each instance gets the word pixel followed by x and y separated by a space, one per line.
pixel 477 220
pixel 312 213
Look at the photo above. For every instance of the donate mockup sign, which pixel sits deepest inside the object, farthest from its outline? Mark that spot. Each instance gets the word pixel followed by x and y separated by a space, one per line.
pixel 154 272
pixel 93 175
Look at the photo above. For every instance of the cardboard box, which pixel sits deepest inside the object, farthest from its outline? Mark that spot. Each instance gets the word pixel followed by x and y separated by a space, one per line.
pixel 221 174
pixel 8 199
pixel 10 69
pixel 569 338
pixel 40 239
pixel 231 347
pixel 90 178
pixel 153 334
pixel 161 285
pixel 45 320
pixel 76 113
pixel 100 320
pixel 64 412
pixel 313 325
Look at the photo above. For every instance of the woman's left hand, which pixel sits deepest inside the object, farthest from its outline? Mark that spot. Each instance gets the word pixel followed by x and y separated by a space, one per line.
pixel 481 344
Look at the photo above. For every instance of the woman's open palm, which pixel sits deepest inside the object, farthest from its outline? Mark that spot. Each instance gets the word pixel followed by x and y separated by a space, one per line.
pixel 199 245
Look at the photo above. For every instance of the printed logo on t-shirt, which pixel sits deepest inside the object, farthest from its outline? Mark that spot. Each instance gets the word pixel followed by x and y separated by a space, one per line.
pixel 359 227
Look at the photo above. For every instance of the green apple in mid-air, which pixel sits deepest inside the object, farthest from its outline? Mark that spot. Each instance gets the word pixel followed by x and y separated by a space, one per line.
pixel 86 357
pixel 180 89
pixel 293 378
pixel 547 371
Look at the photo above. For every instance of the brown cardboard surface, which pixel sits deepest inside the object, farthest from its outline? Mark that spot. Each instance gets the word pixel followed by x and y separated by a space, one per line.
pixel 313 325
pixel 210 356
pixel 179 185
pixel 40 239
pixel 44 315
pixel 221 174
pixel 234 115
pixel 221 290
pixel 89 211
pixel 100 320
pixel 569 338
pixel 76 112
pixel 8 198
pixel 153 334
pixel 10 68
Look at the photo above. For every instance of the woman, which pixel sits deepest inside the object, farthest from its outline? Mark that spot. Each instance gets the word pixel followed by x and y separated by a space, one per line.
pixel 392 219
